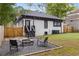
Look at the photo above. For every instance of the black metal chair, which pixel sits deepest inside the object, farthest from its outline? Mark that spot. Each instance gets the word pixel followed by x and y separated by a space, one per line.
pixel 43 43
pixel 13 44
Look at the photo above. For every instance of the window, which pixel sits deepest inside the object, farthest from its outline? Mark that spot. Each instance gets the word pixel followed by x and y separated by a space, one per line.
pixel 55 31
pixel 45 24
pixel 57 23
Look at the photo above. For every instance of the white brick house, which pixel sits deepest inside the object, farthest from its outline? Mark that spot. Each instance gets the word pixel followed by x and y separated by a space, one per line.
pixel 44 24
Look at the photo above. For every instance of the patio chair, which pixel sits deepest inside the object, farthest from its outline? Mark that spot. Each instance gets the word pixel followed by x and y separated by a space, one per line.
pixel 13 45
pixel 43 43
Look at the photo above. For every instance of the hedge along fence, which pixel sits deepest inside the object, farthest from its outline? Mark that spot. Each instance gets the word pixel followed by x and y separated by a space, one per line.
pixel 13 31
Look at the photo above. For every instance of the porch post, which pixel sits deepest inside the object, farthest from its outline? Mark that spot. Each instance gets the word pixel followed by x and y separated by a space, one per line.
pixel 23 27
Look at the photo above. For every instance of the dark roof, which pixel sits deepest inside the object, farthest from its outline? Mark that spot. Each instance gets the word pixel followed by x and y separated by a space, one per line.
pixel 41 14
pixel 38 14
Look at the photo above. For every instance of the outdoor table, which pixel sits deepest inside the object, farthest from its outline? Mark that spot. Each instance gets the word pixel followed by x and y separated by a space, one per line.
pixel 23 41
pixel 19 39
pixel 27 42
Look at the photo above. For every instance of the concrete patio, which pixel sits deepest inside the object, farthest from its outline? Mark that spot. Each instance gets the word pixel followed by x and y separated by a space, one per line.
pixel 27 50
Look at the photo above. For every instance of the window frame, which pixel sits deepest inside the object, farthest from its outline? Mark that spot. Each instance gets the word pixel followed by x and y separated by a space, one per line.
pixel 57 23
pixel 45 24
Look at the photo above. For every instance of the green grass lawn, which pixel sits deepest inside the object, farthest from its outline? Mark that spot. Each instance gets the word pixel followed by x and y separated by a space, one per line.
pixel 69 41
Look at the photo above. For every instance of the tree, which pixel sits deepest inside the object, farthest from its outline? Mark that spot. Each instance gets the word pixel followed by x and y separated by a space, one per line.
pixel 6 13
pixel 40 7
pixel 59 9
pixel 19 10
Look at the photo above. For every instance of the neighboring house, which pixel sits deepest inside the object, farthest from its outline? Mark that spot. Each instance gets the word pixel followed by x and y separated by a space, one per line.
pixel 73 19
pixel 41 23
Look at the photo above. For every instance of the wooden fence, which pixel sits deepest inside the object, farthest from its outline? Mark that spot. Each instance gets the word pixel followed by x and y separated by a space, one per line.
pixel 68 29
pixel 13 32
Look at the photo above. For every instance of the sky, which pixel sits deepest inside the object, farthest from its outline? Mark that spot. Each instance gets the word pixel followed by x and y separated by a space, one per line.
pixel 77 5
pixel 25 6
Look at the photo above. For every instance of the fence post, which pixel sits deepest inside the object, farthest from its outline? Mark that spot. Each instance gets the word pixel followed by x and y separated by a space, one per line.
pixel 1 34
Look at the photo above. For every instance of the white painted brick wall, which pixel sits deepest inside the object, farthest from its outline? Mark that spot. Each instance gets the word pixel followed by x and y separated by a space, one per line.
pixel 39 26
